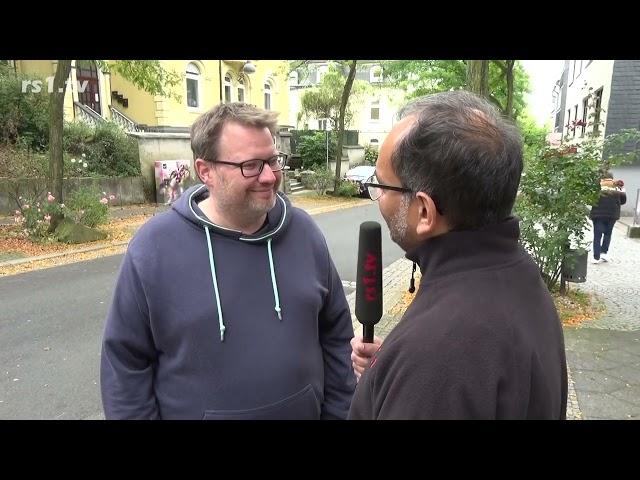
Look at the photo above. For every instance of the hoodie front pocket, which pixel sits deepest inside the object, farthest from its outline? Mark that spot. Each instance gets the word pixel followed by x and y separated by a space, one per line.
pixel 302 405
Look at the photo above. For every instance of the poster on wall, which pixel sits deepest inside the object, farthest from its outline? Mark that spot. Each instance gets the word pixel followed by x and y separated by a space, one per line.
pixel 172 179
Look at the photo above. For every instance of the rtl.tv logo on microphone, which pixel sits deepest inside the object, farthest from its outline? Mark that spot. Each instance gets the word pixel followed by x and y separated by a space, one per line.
pixel 369 277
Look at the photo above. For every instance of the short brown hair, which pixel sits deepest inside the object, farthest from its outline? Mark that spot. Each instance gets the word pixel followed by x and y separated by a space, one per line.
pixel 206 130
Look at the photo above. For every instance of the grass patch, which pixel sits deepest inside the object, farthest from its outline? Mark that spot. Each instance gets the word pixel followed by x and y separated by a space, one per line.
pixel 577 307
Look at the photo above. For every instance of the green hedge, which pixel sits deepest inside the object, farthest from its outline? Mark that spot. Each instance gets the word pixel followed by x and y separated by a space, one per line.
pixel 24 116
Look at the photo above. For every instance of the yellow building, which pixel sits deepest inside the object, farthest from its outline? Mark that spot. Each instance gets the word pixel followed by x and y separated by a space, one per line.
pixel 93 93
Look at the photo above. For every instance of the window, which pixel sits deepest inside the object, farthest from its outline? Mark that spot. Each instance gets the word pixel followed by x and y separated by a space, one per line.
pixel 568 120
pixel 575 116
pixel 267 96
pixel 293 78
pixel 597 105
pixel 375 74
pixel 322 124
pixel 241 88
pixel 375 110
pixel 193 85
pixel 227 88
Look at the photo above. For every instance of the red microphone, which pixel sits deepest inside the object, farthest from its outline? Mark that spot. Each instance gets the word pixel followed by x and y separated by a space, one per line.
pixel 369 279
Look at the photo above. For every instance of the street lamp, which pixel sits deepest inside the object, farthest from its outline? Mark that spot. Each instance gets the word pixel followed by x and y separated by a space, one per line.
pixel 249 67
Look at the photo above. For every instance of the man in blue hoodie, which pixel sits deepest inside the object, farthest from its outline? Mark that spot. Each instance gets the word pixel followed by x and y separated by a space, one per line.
pixel 229 306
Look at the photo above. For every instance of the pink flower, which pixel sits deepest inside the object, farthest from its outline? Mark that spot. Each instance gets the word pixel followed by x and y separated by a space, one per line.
pixel 104 201
pixel 18 212
pixel 47 218
pixel 50 198
pixel 112 197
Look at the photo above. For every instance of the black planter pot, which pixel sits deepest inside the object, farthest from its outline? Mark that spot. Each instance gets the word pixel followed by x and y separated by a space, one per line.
pixel 574 266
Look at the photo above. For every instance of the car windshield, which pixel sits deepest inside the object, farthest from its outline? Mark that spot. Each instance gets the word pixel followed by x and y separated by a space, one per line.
pixel 361 171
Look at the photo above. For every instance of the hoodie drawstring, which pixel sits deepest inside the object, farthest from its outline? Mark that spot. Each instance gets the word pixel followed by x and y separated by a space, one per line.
pixel 412 283
pixel 273 281
pixel 215 284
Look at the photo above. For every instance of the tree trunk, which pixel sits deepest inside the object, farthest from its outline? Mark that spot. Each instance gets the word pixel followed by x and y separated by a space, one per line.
pixel 478 77
pixel 343 107
pixel 56 123
pixel 510 65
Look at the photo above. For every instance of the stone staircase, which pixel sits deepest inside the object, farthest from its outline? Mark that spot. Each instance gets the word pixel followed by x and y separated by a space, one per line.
pixel 295 186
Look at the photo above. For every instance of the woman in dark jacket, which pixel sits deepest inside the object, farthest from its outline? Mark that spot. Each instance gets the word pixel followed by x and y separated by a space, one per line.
pixel 604 215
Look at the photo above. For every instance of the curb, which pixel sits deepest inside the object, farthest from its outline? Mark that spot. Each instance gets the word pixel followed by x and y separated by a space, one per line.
pixel 20 261
pixel 331 208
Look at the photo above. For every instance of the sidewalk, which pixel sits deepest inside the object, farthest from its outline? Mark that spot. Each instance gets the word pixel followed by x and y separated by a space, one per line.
pixel 603 356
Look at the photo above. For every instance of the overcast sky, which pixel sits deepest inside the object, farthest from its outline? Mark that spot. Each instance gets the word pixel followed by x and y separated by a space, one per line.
pixel 543 75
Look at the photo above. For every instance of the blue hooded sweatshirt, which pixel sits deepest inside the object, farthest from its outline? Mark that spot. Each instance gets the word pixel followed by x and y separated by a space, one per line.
pixel 210 323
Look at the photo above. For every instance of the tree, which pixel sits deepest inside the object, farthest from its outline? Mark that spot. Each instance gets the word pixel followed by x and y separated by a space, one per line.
pixel 478 77
pixel 343 107
pixel 507 80
pixel 330 99
pixel 145 74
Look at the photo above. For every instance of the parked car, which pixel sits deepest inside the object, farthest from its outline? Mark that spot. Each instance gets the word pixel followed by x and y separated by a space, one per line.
pixel 358 175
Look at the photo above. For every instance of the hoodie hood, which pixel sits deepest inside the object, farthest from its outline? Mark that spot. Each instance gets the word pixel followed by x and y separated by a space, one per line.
pixel 278 217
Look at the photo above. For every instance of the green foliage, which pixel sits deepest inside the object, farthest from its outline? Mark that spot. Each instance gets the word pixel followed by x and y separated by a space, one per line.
pixel 423 77
pixel 20 162
pixel 370 155
pixel 313 149
pixel 347 189
pixel 105 149
pixel 321 180
pixel 88 206
pixel 24 116
pixel 149 75
pixel 533 136
pixel 557 186
pixel 324 100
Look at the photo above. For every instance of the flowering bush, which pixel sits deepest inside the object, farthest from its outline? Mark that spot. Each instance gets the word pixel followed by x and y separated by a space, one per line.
pixel 77 168
pixel 35 215
pixel 88 206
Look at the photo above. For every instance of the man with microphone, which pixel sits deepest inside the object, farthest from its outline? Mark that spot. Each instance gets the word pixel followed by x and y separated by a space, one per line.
pixel 482 338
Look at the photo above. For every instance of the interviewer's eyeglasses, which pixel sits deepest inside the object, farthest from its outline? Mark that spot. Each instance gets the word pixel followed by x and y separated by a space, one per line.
pixel 376 189
pixel 254 167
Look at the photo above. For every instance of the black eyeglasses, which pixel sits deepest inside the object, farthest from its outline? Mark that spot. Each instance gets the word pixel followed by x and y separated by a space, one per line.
pixel 254 167
pixel 376 189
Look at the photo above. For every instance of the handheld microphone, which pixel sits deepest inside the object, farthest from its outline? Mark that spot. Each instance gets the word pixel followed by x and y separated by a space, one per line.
pixel 369 279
